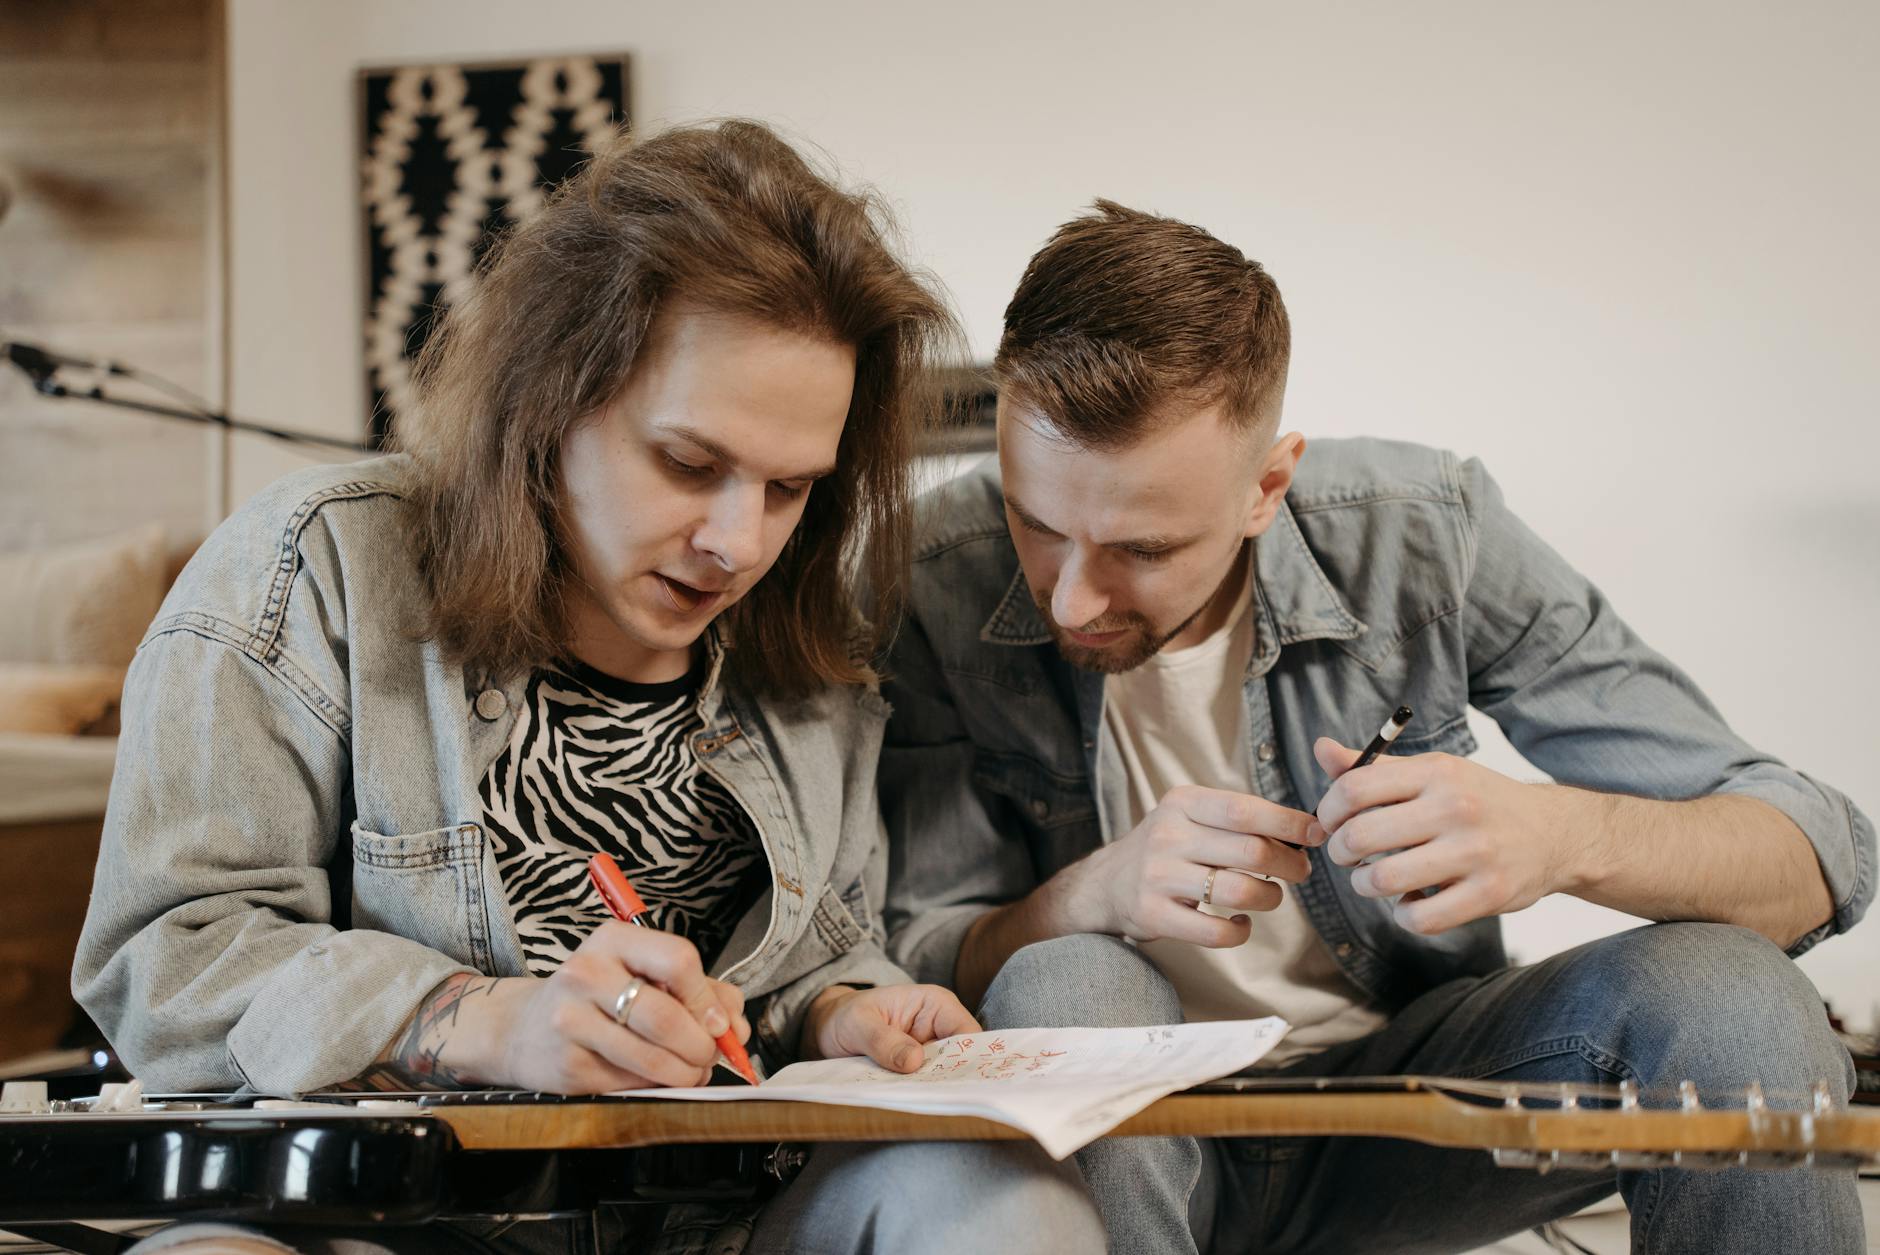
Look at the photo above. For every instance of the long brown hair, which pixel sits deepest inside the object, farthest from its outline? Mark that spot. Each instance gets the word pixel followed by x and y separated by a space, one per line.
pixel 1122 313
pixel 727 217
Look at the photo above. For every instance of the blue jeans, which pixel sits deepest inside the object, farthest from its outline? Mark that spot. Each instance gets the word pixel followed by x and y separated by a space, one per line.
pixel 1710 1003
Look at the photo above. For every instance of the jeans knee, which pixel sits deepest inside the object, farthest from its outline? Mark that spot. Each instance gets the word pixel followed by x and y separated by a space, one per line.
pixel 1719 1004
pixel 1085 981
pixel 939 1197
pixel 210 1239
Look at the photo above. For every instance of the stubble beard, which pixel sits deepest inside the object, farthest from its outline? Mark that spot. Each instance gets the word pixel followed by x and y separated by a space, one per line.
pixel 1143 644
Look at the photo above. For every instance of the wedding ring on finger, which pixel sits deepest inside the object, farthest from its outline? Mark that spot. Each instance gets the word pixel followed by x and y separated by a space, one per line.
pixel 1207 887
pixel 623 1003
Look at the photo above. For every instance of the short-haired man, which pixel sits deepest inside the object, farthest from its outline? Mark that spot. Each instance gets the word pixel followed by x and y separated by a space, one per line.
pixel 1141 653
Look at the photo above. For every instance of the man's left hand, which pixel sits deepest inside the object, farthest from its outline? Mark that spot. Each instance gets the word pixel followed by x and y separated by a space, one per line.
pixel 1480 843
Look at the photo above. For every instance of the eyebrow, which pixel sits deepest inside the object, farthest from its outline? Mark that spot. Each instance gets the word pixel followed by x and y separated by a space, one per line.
pixel 1139 542
pixel 718 453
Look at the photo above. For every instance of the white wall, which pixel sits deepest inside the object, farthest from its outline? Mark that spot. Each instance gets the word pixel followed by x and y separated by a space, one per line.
pixel 1625 253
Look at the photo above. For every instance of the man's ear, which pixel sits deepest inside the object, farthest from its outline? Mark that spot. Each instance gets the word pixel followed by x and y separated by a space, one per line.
pixel 1276 477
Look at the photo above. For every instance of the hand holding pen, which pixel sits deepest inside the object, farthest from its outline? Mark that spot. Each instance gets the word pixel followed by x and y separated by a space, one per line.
pixel 1445 840
pixel 625 904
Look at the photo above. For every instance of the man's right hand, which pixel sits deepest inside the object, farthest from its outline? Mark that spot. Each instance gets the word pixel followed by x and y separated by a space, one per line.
pixel 1148 884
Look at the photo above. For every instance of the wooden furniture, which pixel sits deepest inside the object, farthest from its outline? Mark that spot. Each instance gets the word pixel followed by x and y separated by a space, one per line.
pixel 45 881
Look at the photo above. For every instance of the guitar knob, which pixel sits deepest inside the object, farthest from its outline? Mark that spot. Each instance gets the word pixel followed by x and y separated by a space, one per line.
pixel 784 1162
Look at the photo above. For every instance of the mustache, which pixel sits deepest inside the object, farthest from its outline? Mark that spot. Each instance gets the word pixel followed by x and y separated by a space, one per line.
pixel 1097 626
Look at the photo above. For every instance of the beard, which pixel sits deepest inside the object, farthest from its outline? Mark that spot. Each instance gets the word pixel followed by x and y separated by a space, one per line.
pixel 1142 640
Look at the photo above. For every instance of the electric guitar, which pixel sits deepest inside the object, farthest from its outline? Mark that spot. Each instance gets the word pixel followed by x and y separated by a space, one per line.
pixel 346 1158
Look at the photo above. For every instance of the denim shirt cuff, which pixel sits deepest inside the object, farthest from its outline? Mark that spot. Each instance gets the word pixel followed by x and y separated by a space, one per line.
pixel 1842 837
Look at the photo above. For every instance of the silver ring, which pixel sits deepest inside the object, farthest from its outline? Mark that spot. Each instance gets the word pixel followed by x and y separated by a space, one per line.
pixel 623 1004
pixel 1207 887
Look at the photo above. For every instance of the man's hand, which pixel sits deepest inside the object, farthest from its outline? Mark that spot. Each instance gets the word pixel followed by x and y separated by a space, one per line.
pixel 1481 843
pixel 1146 885
pixel 558 1035
pixel 888 1024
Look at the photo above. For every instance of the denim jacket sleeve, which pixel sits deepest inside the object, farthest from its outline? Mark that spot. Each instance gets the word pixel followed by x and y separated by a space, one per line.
pixel 209 956
pixel 864 965
pixel 1587 701
pixel 951 862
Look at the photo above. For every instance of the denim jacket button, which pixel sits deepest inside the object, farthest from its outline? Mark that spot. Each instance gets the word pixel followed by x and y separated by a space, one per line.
pixel 1040 808
pixel 490 705
pixel 1265 752
pixel 1344 949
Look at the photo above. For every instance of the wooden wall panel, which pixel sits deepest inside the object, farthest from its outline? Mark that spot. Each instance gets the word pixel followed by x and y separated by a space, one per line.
pixel 110 134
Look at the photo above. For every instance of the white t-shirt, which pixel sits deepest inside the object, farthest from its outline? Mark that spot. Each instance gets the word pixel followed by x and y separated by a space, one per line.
pixel 1179 719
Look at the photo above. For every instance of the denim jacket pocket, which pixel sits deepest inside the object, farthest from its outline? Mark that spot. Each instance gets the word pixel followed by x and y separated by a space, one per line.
pixel 831 933
pixel 427 886
pixel 1044 797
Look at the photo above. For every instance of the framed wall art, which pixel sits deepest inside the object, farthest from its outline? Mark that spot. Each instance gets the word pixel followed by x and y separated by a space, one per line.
pixel 451 155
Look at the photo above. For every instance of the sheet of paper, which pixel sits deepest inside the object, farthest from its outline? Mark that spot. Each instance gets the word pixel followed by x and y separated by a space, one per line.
pixel 1065 1087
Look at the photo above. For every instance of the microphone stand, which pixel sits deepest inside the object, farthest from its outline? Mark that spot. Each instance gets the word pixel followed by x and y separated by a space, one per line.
pixel 40 366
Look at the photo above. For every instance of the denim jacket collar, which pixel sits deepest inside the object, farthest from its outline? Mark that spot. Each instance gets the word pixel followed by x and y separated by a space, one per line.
pixel 1291 595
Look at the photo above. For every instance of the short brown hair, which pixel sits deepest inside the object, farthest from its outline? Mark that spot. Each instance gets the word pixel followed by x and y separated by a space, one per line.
pixel 728 218
pixel 1123 313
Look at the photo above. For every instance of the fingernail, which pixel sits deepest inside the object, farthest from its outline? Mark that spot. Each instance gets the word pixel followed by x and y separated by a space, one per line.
pixel 1315 833
pixel 715 1022
pixel 908 1059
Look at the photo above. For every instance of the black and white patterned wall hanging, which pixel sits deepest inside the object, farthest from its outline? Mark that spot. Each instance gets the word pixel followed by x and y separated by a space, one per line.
pixel 452 155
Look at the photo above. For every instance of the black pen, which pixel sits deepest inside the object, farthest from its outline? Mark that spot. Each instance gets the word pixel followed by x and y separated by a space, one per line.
pixel 1385 735
pixel 1380 743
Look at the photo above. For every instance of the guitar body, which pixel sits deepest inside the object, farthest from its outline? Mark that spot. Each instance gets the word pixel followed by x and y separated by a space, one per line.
pixel 316 1171
pixel 345 1169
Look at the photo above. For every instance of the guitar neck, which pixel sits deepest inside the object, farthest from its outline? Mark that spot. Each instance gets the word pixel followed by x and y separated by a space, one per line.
pixel 1538 1126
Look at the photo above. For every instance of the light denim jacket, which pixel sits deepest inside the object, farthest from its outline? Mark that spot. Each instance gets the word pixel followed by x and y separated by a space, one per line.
pixel 294 852
pixel 1393 574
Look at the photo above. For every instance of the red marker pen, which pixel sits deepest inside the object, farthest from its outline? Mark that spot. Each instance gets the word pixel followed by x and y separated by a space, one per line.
pixel 619 895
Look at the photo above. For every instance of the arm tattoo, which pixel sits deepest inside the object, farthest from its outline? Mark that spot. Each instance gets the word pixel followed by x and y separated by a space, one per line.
pixel 415 1059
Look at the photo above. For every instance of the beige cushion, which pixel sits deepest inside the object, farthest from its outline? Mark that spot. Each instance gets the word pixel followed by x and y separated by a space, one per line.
pixel 57 699
pixel 83 603
pixel 46 778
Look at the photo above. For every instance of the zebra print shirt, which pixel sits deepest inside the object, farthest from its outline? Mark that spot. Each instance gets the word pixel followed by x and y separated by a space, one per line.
pixel 598 763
